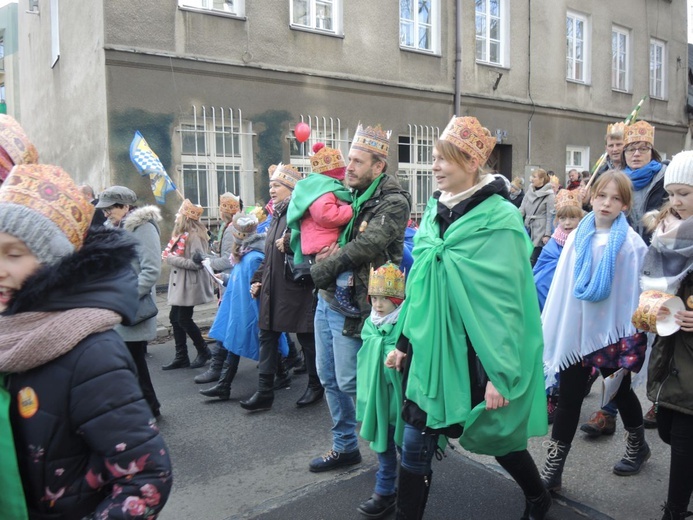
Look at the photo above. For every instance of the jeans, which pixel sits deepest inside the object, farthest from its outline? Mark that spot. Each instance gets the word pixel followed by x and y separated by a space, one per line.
pixel 182 323
pixel 418 448
pixel 387 468
pixel 335 356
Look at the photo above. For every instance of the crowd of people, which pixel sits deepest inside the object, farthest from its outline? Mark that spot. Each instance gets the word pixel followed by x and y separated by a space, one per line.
pixel 405 337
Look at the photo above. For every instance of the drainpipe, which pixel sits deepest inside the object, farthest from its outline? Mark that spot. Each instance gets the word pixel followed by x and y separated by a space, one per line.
pixel 458 56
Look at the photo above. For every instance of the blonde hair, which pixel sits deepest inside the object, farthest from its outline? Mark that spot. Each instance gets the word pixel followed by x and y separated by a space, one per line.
pixel 623 185
pixel 541 173
pixel 452 153
pixel 187 225
pixel 569 212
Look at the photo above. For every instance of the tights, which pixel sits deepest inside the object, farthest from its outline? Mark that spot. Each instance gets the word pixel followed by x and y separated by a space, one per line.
pixel 676 429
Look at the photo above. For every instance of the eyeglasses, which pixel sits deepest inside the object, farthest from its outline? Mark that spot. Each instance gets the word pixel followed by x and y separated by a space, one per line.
pixel 641 149
pixel 107 211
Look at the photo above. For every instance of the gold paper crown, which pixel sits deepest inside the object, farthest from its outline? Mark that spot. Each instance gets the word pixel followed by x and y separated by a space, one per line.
pixel 645 316
pixel 50 191
pixel 618 129
pixel 259 213
pixel 243 225
pixel 373 140
pixel 554 180
pixel 271 169
pixel 567 198
pixel 467 134
pixel 190 210
pixel 287 175
pixel 327 159
pixel 637 132
pixel 229 203
pixel 387 280
pixel 15 142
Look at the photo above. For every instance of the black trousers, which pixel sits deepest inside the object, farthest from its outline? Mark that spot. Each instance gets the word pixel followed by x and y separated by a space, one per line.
pixel 138 351
pixel 676 429
pixel 181 319
pixel 269 353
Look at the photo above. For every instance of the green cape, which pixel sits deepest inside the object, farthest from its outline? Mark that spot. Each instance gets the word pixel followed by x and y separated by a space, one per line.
pixel 476 279
pixel 12 503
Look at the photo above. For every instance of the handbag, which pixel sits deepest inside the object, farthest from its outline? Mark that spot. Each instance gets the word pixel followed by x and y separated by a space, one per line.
pixel 298 273
pixel 147 309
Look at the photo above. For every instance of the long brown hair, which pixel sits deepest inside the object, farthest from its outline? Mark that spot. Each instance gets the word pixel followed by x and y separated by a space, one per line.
pixel 187 225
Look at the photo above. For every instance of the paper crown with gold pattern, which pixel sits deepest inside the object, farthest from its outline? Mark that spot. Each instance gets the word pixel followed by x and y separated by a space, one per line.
pixel 642 131
pixel 387 280
pixel 229 203
pixel 647 316
pixel 326 159
pixel 243 225
pixel 15 147
pixel 467 134
pixel 190 210
pixel 567 198
pixel 616 129
pixel 373 140
pixel 259 213
pixel 271 169
pixel 41 205
pixel 287 175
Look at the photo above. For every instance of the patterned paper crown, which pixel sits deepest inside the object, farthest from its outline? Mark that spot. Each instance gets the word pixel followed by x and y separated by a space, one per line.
pixel 387 280
pixel 16 147
pixel 616 129
pixel 271 169
pixel 373 140
pixel 190 210
pixel 259 213
pixel 567 198
pixel 51 192
pixel 229 203
pixel 287 175
pixel 243 226
pixel 637 132
pixel 553 179
pixel 467 134
pixel 326 159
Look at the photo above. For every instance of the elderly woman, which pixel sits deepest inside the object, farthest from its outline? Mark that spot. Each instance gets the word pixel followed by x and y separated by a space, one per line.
pixel 118 205
pixel 473 359
pixel 538 210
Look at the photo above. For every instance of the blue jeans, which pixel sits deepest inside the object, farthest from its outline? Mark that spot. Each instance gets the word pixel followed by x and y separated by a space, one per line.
pixel 418 449
pixel 335 356
pixel 387 469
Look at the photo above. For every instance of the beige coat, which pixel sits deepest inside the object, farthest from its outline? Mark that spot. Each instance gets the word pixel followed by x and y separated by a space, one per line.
pixel 189 284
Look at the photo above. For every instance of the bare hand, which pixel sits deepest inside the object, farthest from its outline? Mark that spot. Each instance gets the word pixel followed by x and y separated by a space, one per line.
pixel 493 398
pixel 280 244
pixel 395 359
pixel 545 240
pixel 255 289
pixel 663 312
pixel 685 320
pixel 326 252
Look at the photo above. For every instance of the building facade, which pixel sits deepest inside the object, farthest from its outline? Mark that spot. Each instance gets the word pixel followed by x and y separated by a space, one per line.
pixel 216 86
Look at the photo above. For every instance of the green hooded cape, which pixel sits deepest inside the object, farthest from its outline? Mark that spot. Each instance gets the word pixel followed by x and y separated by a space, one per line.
pixel 12 502
pixel 477 279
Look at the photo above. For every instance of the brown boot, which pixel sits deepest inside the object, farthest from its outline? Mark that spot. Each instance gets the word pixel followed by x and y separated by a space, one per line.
pixel 599 424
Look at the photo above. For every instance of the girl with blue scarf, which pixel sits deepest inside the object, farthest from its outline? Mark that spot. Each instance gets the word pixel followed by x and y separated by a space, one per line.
pixel 587 322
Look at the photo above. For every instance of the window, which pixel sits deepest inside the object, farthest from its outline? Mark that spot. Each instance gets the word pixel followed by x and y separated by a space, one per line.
pixel 216 157
pixel 577 157
pixel 620 62
pixel 415 151
pixel 491 31
pixel 419 25
pixel 317 15
pixel 232 7
pixel 322 130
pixel 577 48
pixel 657 74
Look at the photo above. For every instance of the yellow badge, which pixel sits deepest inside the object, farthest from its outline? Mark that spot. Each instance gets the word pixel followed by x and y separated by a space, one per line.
pixel 363 226
pixel 28 402
pixel 689 302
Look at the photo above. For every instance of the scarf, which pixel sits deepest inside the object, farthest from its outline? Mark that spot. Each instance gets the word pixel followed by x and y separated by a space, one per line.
pixel 559 235
pixel 589 286
pixel 642 177
pixel 669 258
pixel 388 319
pixel 176 246
pixel 358 201
pixel 573 185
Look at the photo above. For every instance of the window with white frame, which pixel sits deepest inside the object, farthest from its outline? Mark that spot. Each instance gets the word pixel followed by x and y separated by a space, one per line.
pixel 492 31
pixel 216 157
pixel 577 157
pixel 620 58
pixel 233 7
pixel 415 151
pixel 419 25
pixel 317 15
pixel 657 71
pixel 577 47
pixel 326 130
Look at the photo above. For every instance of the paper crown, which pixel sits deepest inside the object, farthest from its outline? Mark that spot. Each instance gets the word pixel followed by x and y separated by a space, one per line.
pixel 287 175
pixel 373 140
pixel 259 213
pixel 190 210
pixel 467 134
pixel 51 192
pixel 567 198
pixel 642 131
pixel 387 280
pixel 16 147
pixel 229 203
pixel 649 306
pixel 616 129
pixel 553 179
pixel 271 169
pixel 243 225
pixel 326 159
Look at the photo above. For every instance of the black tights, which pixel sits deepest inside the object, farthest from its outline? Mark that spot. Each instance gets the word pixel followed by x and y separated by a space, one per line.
pixel 572 386
pixel 676 429
pixel 182 323
pixel 521 467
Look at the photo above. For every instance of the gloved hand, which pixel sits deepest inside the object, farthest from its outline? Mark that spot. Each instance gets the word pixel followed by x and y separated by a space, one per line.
pixel 197 257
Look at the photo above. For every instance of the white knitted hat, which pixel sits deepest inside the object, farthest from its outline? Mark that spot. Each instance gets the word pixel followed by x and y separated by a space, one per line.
pixel 680 169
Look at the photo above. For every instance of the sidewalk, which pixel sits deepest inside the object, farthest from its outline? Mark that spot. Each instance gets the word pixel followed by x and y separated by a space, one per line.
pixel 203 316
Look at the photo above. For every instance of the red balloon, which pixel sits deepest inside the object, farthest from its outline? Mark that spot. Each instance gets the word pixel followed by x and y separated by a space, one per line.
pixel 302 132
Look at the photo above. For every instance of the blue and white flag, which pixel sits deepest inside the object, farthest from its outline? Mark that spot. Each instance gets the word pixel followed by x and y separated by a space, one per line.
pixel 148 163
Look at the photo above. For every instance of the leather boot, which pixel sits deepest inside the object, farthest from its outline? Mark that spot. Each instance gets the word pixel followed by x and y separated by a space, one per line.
pixel 671 514
pixel 181 360
pixel 637 453
pixel 312 395
pixel 552 471
pixel 261 400
pixel 203 355
pixel 536 508
pixel 214 371
pixel 222 389
pixel 412 494
pixel 282 379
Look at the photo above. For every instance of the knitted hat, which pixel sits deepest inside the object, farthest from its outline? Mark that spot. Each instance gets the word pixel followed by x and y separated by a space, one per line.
pixel 190 210
pixel 467 134
pixel 42 206
pixel 116 195
pixel 243 225
pixel 373 140
pixel 387 281
pixel 287 175
pixel 642 131
pixel 229 203
pixel 328 161
pixel 680 169
pixel 15 147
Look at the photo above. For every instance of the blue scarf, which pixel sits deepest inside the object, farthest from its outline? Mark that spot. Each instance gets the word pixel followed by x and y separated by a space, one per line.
pixel 642 177
pixel 596 287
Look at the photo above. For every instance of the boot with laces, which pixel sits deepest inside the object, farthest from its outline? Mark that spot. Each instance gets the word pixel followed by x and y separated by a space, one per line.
pixel 551 473
pixel 671 513
pixel 637 453
pixel 600 423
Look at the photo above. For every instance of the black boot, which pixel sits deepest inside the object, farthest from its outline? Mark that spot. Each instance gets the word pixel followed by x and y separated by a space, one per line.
pixel 203 355
pixel 671 514
pixel 536 508
pixel 180 361
pixel 552 471
pixel 312 395
pixel 262 399
pixel 412 494
pixel 222 389
pixel 283 378
pixel 637 452
pixel 214 371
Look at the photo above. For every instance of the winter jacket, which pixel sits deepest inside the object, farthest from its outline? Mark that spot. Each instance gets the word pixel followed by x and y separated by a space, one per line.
pixel 143 224
pixel 222 263
pixel 285 306
pixel 538 210
pixel 323 222
pixel 188 283
pixel 85 437
pixel 377 236
pixel 650 198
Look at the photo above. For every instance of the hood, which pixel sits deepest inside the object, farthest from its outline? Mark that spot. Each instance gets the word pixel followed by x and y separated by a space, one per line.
pixel 140 216
pixel 98 275
pixel 255 242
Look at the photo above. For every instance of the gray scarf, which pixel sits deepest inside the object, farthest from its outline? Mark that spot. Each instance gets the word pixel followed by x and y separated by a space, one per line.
pixel 669 258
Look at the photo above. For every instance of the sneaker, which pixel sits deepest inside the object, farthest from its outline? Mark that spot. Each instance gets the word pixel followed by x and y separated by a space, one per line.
pixel 378 506
pixel 551 407
pixel 599 424
pixel 650 418
pixel 333 460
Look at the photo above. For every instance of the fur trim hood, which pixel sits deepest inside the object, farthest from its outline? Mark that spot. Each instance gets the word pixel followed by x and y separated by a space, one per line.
pixel 140 216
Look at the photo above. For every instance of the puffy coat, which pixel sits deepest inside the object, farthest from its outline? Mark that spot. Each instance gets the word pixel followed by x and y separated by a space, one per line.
pixel 188 283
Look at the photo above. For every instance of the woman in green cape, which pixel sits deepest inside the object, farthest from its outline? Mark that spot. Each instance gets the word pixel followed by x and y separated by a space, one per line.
pixel 473 359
